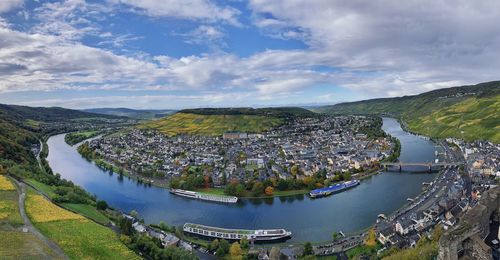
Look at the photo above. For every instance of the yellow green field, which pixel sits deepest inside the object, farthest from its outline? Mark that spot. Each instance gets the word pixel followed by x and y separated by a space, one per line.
pixel 80 238
pixel 194 124
pixel 5 184
pixel 9 209
pixel 16 244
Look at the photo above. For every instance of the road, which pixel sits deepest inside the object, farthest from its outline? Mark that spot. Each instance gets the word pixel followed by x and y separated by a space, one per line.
pixel 29 226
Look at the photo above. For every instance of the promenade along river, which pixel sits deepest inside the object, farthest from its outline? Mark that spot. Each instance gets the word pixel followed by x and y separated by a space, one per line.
pixel 308 219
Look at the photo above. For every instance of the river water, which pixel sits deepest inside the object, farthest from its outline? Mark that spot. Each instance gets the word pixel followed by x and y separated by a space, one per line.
pixel 308 219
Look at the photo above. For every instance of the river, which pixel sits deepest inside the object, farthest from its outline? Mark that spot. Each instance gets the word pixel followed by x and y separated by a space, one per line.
pixel 308 219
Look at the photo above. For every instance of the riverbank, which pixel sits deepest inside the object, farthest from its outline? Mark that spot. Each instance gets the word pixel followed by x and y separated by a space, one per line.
pixel 349 211
pixel 105 165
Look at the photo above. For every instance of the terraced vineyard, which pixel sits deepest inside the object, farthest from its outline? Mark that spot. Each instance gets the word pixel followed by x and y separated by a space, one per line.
pixel 470 119
pixel 468 112
pixel 79 237
pixel 197 124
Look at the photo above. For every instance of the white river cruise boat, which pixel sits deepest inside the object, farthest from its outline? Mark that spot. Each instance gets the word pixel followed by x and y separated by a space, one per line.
pixel 204 196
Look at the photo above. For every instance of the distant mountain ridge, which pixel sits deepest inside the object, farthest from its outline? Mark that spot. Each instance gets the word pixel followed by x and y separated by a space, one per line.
pixel 19 127
pixel 470 112
pixel 132 113
pixel 44 114
pixel 268 111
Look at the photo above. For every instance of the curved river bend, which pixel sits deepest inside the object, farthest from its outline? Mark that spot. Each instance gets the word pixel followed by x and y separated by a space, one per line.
pixel 309 220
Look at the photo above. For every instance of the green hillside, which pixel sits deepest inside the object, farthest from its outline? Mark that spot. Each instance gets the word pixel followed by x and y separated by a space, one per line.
pixel 268 111
pixel 132 113
pixel 471 119
pixel 440 113
pixel 196 124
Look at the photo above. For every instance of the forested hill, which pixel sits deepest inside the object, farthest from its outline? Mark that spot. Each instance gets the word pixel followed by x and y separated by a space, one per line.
pixel 269 111
pixel 44 114
pixel 132 113
pixel 22 126
pixel 469 112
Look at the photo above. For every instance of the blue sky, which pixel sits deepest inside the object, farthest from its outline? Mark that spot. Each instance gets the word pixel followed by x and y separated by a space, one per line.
pixel 205 53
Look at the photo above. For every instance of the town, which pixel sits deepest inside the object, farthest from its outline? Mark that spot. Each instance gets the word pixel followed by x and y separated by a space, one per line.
pixel 445 201
pixel 339 147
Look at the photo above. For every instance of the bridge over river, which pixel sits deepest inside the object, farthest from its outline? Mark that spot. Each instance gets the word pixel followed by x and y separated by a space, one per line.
pixel 428 165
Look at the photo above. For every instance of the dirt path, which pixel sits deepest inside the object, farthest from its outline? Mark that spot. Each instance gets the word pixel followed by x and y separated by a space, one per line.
pixel 27 223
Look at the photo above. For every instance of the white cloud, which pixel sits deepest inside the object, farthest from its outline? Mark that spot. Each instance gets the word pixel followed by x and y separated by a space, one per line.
pixel 69 19
pixel 141 101
pixel 411 45
pixel 186 9
pixel 8 5
pixel 380 48
pixel 204 35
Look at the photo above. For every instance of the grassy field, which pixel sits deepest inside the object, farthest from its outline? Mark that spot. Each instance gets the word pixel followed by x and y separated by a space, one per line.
pixel 88 211
pixel 9 209
pixel 18 245
pixel 79 237
pixel 9 206
pixel 48 190
pixel 211 125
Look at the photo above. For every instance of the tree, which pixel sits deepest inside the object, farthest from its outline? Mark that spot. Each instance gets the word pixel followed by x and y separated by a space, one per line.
pixel 163 225
pixel 308 250
pixel 244 243
pixel 101 205
pixel 335 236
pixel 269 190
pixel 126 226
pixel 258 188
pixel 214 245
pixel 220 252
pixel 240 190
pixel 235 251
pixel 282 184
pixel 294 170
pixel 224 245
pixel 134 214
pixel 371 238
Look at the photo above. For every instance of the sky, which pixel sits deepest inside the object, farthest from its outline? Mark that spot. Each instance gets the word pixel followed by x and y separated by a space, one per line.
pixel 170 54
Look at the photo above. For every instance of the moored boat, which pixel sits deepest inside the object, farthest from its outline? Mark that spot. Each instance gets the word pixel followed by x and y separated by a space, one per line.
pixel 333 189
pixel 204 196
pixel 237 234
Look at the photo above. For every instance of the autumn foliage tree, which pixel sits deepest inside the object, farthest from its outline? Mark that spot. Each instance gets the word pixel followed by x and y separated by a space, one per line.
pixel 235 251
pixel 269 190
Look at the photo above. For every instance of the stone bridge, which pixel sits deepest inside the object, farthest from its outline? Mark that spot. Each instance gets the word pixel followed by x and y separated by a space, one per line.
pixel 468 236
pixel 429 166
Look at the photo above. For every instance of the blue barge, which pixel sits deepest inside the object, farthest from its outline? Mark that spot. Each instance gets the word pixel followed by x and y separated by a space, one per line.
pixel 333 189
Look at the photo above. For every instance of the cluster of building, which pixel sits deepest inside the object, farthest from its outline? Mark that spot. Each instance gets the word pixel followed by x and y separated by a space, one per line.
pixel 334 144
pixel 447 198
pixel 167 239
pixel 481 157
pixel 444 202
